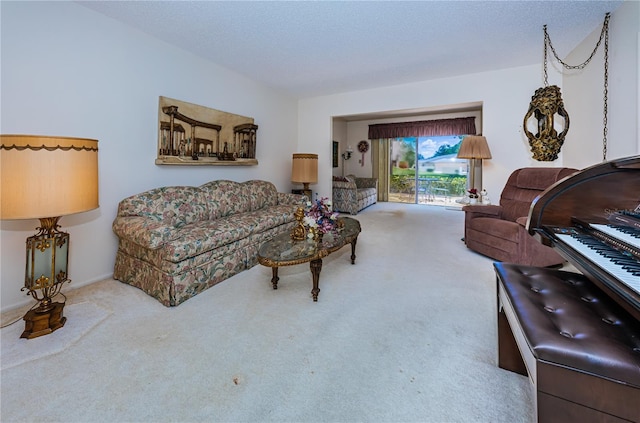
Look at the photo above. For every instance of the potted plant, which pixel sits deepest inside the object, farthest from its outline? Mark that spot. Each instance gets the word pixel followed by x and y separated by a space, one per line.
pixel 320 218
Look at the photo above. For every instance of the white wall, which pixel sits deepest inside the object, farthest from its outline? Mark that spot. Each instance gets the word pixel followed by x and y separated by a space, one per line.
pixel 583 92
pixel 340 134
pixel 69 71
pixel 505 95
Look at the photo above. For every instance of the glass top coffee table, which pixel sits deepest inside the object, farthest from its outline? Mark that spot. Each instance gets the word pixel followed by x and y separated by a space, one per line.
pixel 284 251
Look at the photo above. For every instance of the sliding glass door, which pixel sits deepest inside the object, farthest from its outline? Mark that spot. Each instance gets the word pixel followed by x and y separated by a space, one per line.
pixel 402 183
pixel 425 170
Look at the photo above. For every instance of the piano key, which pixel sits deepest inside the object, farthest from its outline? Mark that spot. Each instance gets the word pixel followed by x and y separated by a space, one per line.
pixel 619 233
pixel 617 271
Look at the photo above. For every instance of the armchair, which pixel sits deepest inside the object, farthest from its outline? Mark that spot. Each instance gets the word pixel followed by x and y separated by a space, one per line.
pixel 499 231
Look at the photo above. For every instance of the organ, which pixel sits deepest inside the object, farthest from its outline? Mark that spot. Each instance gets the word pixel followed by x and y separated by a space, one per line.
pixel 588 219
pixel 577 335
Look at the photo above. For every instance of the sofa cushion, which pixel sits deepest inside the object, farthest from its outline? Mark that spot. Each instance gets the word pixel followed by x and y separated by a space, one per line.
pixel 225 198
pixel 207 235
pixel 173 206
pixel 345 185
pixel 261 194
pixel 363 193
pixel 200 237
pixel 258 221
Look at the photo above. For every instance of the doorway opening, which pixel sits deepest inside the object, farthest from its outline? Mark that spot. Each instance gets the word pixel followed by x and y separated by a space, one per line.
pixel 426 170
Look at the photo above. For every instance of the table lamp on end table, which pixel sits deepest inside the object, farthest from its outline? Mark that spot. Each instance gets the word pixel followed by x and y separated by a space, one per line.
pixel 305 171
pixel 45 178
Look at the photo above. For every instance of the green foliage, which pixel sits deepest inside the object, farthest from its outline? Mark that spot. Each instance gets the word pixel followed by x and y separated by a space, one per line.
pixel 458 185
pixel 409 156
pixel 397 171
pixel 403 180
pixel 447 149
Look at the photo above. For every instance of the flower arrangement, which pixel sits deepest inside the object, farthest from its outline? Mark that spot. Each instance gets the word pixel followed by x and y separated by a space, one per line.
pixel 473 193
pixel 319 217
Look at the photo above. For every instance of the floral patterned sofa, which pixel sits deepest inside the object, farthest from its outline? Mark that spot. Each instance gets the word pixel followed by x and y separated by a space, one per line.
pixel 175 242
pixel 351 194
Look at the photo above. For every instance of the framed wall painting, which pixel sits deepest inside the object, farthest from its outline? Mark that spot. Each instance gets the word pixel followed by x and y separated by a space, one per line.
pixel 335 155
pixel 193 135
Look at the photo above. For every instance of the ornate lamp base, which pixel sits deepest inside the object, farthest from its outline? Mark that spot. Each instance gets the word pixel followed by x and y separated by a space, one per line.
pixel 43 323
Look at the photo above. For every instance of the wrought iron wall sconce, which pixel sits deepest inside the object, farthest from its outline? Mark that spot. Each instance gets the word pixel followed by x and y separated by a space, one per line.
pixel 347 154
pixel 545 104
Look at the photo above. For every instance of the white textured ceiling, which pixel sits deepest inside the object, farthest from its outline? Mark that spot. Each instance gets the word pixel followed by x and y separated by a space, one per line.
pixel 311 48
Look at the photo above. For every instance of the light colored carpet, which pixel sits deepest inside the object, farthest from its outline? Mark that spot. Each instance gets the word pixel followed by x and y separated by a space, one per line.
pixel 81 318
pixel 407 334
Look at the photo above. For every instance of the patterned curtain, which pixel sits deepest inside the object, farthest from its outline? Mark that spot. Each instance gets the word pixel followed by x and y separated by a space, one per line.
pixel 380 157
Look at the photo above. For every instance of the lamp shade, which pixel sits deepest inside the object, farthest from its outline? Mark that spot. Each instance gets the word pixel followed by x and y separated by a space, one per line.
pixel 474 147
pixel 304 168
pixel 44 176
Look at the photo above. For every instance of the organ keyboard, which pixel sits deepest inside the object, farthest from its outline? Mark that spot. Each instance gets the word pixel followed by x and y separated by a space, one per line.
pixel 592 219
pixel 626 235
pixel 625 269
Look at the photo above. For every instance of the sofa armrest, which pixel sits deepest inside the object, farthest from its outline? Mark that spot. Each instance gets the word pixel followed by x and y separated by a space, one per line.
pixel 143 231
pixel 367 182
pixel 288 198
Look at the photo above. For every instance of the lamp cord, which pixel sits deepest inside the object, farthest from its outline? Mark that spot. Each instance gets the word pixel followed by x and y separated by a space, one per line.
pixel 604 35
pixel 32 307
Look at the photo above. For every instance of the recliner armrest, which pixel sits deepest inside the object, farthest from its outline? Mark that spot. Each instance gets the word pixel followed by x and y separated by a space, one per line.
pixel 478 210
pixel 522 221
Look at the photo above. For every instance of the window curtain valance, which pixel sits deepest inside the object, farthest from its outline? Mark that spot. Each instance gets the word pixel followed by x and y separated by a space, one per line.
pixel 424 128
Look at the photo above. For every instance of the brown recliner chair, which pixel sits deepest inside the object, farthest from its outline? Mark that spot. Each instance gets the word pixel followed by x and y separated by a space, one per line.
pixel 498 231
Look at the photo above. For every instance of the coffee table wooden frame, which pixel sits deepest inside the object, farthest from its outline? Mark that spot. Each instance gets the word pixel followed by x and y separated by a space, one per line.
pixel 271 253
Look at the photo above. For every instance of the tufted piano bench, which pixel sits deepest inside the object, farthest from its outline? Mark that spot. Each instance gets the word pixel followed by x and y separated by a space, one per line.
pixel 580 349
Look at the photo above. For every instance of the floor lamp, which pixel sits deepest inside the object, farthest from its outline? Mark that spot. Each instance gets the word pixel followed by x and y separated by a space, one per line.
pixel 45 178
pixel 474 147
